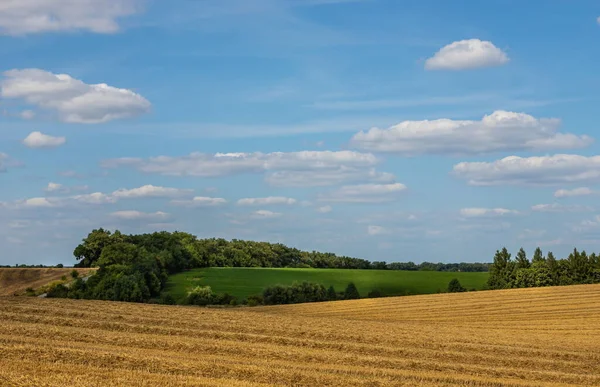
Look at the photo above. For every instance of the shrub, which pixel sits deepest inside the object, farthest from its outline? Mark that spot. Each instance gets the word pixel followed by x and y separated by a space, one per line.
pixel 200 295
pixel 63 278
pixel 455 287
pixel 331 294
pixel 375 293
pixel 166 299
pixel 254 300
pixel 74 274
pixel 351 292
pixel 294 294
pixel 58 291
pixel 30 291
pixel 59 266
pixel 233 302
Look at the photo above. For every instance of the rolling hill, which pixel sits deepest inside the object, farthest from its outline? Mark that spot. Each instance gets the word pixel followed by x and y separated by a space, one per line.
pixel 521 337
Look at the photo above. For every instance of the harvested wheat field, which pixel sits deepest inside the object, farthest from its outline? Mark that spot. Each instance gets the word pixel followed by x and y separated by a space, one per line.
pixel 16 280
pixel 525 337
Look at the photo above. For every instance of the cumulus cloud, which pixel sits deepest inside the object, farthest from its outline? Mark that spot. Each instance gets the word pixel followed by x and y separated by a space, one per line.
pixel 564 193
pixel 95 198
pixel 555 207
pixel 138 215
pixel 53 187
pixel 304 168
pixel 73 100
pixel 150 191
pixel 377 230
pixel 477 212
pixel 40 140
pixel 498 132
pixel 265 214
pixel 467 54
pixel 20 17
pixel 200 201
pixel 271 200
pixel 324 209
pixel 531 171
pixel 327 177
pixel 364 193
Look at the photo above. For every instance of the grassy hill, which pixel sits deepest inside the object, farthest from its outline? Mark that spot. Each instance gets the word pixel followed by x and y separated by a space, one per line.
pixel 16 280
pixel 521 337
pixel 243 282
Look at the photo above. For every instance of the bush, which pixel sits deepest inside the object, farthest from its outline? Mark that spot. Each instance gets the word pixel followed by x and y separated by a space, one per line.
pixel 59 266
pixel 455 287
pixel 375 293
pixel 331 294
pixel 166 299
pixel 63 278
pixel 200 295
pixel 233 302
pixel 295 294
pixel 58 291
pixel 351 292
pixel 74 274
pixel 254 300
pixel 30 291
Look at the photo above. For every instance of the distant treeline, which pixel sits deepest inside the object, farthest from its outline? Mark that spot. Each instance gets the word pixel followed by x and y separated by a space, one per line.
pixel 577 268
pixel 136 267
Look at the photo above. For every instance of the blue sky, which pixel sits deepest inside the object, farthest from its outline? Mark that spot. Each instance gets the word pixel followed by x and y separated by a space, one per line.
pixel 387 130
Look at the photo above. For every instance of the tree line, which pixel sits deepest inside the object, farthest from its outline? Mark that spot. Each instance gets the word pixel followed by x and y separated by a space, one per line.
pixel 577 268
pixel 135 268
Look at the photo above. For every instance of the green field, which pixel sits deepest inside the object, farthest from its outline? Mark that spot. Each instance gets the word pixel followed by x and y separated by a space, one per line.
pixel 244 282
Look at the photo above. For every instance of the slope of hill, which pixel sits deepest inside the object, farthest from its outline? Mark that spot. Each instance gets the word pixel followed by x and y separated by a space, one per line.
pixel 521 337
pixel 16 280
pixel 242 282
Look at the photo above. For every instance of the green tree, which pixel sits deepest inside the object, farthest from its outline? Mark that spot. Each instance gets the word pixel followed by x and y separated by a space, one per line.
pixel 454 286
pixel 74 274
pixel 351 292
pixel 521 260
pixel 552 264
pixel 501 270
pixel 537 256
pixel 331 294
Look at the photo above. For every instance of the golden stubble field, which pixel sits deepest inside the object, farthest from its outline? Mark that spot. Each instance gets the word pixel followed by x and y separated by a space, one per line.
pixel 525 337
pixel 16 280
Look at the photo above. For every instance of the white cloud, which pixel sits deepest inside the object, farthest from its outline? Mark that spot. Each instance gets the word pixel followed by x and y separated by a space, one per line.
pixel 598 20
pixel 476 212
pixel 290 169
pixel 27 114
pixel 364 193
pixel 564 193
pixel 467 54
pixel 327 177
pixel 497 132
pixel 33 203
pixel 95 198
pixel 271 200
pixel 555 207
pixel 200 201
pixel 20 17
pixel 137 215
pixel 324 209
pixel 40 140
pixel 265 214
pixel 148 191
pixel 539 170
pixel 54 187
pixel 73 100
pixel 377 230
